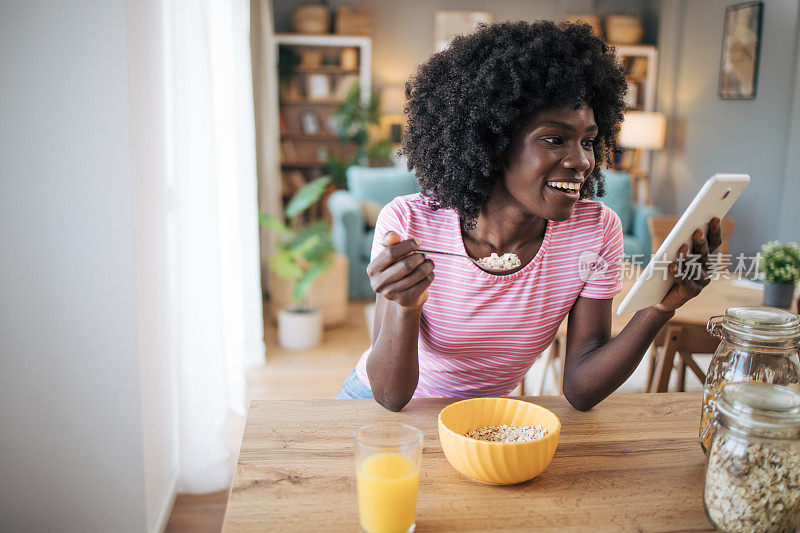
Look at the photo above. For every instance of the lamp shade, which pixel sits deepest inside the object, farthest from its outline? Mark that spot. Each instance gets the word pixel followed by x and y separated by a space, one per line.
pixel 392 100
pixel 643 129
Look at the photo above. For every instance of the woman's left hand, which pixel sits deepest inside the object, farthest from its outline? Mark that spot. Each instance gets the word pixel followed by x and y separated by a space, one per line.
pixel 690 272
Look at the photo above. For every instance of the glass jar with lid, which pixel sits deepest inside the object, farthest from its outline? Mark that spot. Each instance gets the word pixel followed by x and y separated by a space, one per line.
pixel 758 344
pixel 752 479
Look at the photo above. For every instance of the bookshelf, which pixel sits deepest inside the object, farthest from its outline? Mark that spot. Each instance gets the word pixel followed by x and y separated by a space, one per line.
pixel 326 67
pixel 641 66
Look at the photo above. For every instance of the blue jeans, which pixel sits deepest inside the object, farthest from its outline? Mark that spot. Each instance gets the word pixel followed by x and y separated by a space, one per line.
pixel 353 388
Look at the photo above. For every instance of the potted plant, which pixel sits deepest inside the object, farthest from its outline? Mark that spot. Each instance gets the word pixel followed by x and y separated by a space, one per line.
pixel 355 123
pixel 780 263
pixel 303 253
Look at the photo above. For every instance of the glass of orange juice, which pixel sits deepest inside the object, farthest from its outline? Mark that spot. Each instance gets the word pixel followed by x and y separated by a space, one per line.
pixel 388 457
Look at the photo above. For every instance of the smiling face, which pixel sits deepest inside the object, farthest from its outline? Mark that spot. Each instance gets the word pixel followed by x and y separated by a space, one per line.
pixel 549 161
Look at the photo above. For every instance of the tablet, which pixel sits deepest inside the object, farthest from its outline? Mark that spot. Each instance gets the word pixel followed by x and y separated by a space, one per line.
pixel 714 200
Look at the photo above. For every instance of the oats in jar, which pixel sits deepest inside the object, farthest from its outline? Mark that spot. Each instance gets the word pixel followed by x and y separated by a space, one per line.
pixel 752 486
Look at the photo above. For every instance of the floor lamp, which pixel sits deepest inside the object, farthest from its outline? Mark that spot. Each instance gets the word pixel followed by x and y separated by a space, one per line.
pixel 642 130
pixel 392 100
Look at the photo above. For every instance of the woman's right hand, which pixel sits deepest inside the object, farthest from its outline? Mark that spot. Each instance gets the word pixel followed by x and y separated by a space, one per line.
pixel 399 275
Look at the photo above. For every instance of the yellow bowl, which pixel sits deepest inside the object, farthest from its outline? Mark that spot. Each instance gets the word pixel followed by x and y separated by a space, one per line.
pixel 497 463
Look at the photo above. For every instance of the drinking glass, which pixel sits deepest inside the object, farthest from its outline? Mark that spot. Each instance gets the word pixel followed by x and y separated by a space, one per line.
pixel 388 457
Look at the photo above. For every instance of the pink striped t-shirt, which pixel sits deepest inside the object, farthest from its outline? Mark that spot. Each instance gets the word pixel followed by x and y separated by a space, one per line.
pixel 479 332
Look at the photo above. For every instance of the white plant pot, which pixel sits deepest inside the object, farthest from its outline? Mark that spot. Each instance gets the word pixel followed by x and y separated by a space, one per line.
pixel 299 330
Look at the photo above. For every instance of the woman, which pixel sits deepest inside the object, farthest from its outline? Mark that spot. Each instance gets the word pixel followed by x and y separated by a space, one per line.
pixel 506 131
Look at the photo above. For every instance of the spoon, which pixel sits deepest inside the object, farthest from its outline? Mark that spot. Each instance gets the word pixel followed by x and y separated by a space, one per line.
pixel 475 261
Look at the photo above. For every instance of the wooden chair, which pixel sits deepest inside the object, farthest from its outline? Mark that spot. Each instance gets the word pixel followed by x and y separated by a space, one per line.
pixel 661 225
pixel 684 341
pixel 551 363
pixel 673 340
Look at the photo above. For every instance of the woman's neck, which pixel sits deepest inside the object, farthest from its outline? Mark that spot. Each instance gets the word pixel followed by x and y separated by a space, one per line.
pixel 503 226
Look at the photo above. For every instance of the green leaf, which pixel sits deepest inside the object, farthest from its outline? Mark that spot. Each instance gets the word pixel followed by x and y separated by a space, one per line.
pixel 318 227
pixel 273 224
pixel 360 138
pixel 337 169
pixel 323 251
pixel 283 265
pixel 302 247
pixel 316 242
pixel 381 152
pixel 307 196
pixel 373 110
pixel 304 283
pixel 780 262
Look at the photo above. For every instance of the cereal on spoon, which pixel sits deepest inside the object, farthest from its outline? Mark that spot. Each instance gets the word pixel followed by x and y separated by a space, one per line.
pixel 499 262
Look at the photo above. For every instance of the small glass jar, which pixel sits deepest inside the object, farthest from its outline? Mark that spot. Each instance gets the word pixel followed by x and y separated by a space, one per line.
pixel 752 480
pixel 758 344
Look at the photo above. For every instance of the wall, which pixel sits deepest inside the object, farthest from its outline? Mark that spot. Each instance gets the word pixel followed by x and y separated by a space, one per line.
pixel 709 135
pixel 76 306
pixel 789 227
pixel 154 255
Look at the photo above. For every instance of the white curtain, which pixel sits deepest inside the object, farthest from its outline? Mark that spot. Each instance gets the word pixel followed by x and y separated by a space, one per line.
pixel 213 172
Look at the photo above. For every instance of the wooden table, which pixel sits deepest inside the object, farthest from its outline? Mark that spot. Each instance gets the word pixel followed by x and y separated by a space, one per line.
pixel 631 463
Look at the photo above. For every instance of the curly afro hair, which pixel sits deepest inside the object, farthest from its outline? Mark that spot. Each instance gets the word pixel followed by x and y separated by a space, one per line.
pixel 465 105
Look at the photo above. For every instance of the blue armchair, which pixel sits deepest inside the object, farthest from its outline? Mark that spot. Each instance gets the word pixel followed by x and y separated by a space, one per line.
pixel 635 233
pixel 351 232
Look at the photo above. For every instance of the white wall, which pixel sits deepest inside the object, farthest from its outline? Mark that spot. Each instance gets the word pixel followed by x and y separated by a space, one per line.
pixel 154 249
pixel 708 135
pixel 789 227
pixel 76 301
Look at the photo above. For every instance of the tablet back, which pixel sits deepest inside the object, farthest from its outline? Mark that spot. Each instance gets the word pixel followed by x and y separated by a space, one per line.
pixel 714 199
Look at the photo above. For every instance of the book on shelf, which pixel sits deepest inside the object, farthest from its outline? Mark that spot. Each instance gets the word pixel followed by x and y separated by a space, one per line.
pixel 288 152
pixel 318 86
pixel 293 181
pixel 638 68
pixel 632 95
pixel 283 127
pixel 344 85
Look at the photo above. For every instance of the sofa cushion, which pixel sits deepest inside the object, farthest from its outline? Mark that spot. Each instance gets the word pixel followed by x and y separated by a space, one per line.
pixel 380 184
pixel 619 197
pixel 633 246
pixel 366 245
pixel 370 209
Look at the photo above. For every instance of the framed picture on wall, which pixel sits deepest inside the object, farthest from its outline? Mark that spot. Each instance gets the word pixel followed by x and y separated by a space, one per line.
pixel 741 43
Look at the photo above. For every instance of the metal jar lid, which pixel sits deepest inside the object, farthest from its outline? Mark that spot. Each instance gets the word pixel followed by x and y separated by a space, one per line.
pixel 760 405
pixel 757 324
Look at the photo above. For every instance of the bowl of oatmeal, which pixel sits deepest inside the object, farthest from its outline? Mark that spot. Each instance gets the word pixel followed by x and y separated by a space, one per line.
pixel 498 441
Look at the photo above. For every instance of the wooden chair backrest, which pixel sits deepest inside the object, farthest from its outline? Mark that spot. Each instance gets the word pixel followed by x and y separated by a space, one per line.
pixel 684 340
pixel 661 225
